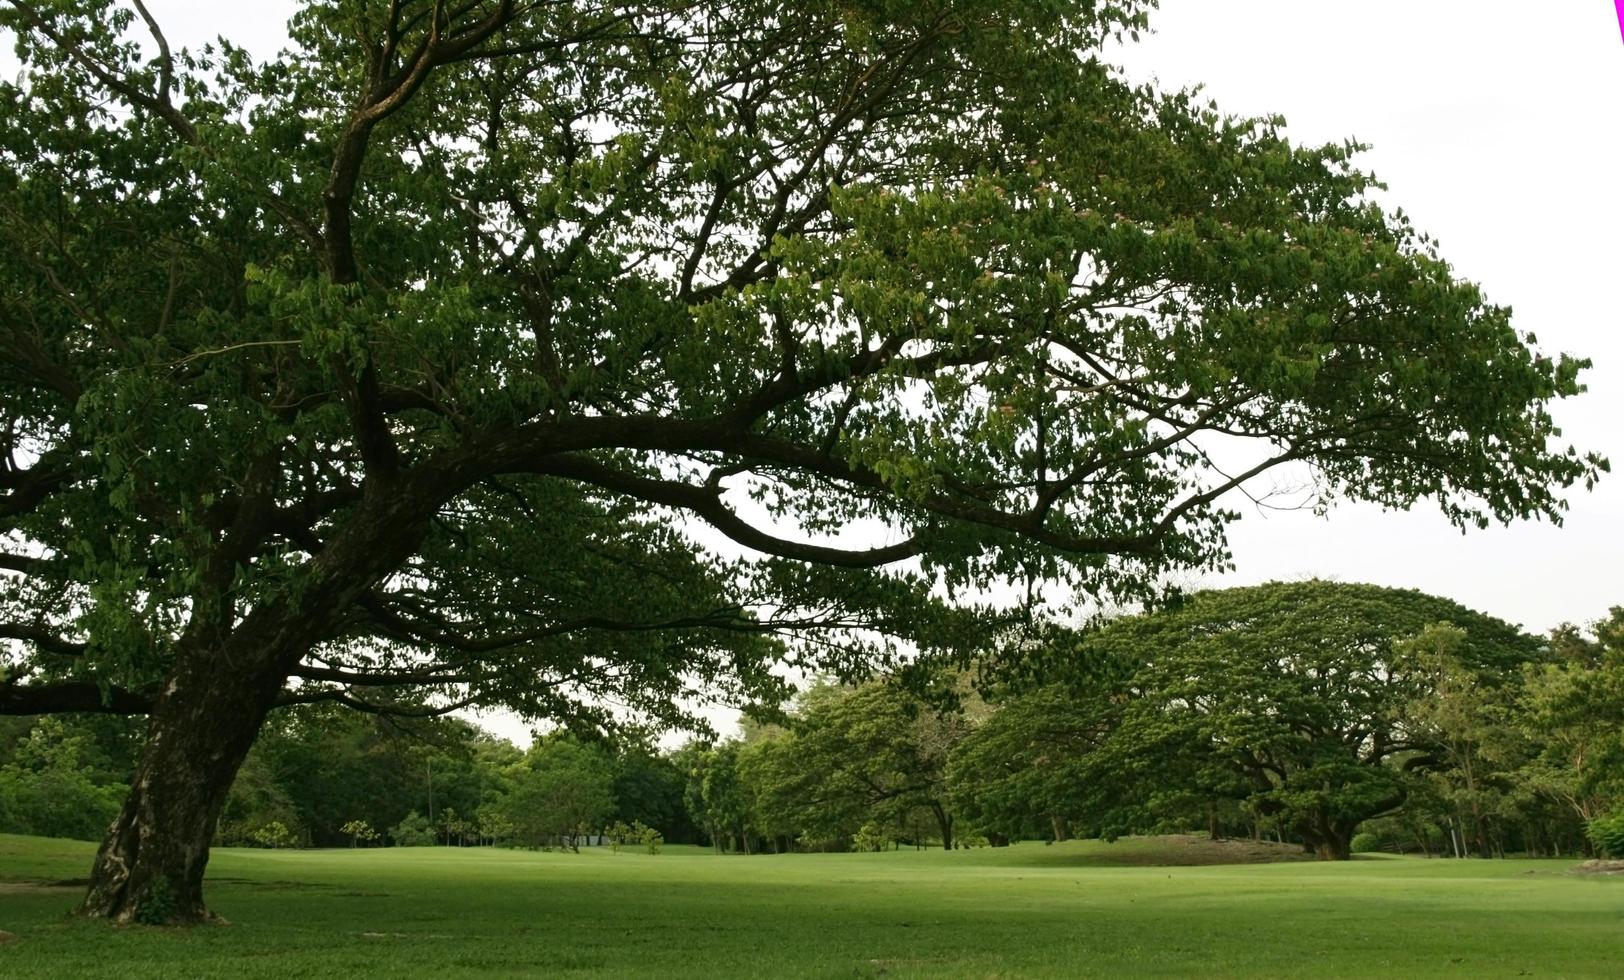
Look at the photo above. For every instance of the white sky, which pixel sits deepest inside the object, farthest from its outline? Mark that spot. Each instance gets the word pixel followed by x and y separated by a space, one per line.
pixel 1498 126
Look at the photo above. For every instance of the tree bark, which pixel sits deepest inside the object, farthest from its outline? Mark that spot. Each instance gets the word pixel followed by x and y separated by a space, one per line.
pixel 150 866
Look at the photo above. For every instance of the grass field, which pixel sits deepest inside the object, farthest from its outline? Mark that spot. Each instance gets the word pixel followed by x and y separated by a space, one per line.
pixel 1079 909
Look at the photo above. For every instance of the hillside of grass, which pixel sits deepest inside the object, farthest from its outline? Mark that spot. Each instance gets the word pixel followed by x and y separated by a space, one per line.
pixel 1133 908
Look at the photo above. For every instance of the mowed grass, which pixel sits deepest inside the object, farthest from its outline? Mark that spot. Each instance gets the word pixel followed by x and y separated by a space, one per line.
pixel 1078 909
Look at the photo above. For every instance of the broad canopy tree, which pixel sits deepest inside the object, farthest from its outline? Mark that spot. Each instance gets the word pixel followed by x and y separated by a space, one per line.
pixel 562 791
pixel 397 369
pixel 1302 701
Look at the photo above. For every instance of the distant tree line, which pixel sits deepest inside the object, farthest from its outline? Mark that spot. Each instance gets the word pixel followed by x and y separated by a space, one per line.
pixel 326 777
pixel 1335 717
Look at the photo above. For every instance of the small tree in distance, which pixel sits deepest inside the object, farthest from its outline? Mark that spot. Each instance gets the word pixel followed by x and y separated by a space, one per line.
pixel 493 824
pixel 274 835
pixel 358 831
pixel 651 840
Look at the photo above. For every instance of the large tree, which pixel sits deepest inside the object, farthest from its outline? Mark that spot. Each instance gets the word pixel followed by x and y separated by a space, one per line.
pixel 405 361
pixel 1305 693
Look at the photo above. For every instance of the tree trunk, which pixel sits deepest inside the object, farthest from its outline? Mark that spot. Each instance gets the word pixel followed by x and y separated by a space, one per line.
pixel 944 821
pixel 1335 843
pixel 150 866
pixel 1332 849
pixel 228 673
pixel 1058 823
pixel 1326 838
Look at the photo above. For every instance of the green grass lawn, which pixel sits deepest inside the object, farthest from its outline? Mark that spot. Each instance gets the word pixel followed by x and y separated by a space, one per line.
pixel 1079 909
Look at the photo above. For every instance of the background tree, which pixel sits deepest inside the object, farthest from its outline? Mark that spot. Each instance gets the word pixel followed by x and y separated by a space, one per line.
pixel 1575 707
pixel 1472 718
pixel 850 757
pixel 495 826
pixel 51 785
pixel 717 797
pixel 359 830
pixel 563 790
pixel 318 766
pixel 1312 706
pixel 1301 689
pixel 1037 767
pixel 414 830
pixel 649 789
pixel 772 773
pixel 392 371
pixel 258 797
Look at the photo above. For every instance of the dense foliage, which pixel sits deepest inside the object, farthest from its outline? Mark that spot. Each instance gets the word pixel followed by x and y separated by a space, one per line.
pixel 63 778
pixel 1295 699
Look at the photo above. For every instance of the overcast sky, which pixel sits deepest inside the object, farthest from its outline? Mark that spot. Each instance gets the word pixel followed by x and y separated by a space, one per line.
pixel 1497 125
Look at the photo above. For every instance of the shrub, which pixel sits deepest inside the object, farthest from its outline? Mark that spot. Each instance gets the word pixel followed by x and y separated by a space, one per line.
pixel 820 844
pixel 159 906
pixel 1396 835
pixel 651 839
pixel 414 830
pixel 1607 833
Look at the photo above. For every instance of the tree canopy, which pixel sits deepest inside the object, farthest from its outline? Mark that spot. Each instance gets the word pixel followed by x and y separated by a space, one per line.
pixel 403 365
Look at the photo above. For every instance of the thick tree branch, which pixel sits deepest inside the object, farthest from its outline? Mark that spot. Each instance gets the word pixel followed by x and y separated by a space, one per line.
pixel 349 700
pixel 63 697
pixel 41 637
pixel 156 103
pixel 706 503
